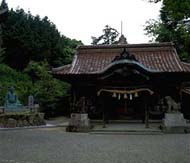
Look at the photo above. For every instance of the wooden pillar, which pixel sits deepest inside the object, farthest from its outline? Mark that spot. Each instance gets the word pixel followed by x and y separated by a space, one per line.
pixel 73 107
pixel 103 119
pixel 103 114
pixel 146 116
pixel 146 112
pixel 101 104
pixel 180 98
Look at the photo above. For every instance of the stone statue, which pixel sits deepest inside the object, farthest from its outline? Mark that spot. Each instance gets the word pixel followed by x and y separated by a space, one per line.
pixel 11 100
pixel 30 101
pixel 172 105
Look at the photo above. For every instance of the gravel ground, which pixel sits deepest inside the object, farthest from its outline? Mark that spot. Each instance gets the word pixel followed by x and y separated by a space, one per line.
pixel 53 145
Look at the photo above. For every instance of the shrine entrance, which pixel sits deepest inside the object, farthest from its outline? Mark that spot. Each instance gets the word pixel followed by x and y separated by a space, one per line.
pixel 126 109
pixel 125 104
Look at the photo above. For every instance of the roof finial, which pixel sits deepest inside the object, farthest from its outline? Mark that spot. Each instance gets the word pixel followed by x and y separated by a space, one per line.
pixel 122 39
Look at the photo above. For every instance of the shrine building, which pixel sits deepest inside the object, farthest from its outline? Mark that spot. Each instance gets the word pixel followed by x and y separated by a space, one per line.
pixel 127 81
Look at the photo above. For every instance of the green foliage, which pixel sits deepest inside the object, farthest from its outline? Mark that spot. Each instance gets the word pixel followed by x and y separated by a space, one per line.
pixel 20 81
pixel 109 36
pixel 31 46
pixel 47 90
pixel 174 26
pixel 28 37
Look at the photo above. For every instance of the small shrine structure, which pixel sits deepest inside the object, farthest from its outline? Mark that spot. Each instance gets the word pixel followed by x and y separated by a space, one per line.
pixel 128 81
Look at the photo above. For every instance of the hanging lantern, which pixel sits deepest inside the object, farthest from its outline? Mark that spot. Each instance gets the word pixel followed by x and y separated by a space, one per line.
pixel 125 96
pixel 130 96
pixel 119 96
pixel 136 94
pixel 114 95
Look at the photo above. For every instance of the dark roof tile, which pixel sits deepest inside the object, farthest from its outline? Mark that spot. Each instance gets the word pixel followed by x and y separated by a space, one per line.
pixel 161 57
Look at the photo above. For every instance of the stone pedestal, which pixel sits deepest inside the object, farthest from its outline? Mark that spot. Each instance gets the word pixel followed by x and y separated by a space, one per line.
pixel 174 119
pixel 16 110
pixel 79 121
pixel 174 122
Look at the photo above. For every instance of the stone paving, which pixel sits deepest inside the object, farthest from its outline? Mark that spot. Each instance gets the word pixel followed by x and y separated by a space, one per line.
pixel 58 121
pixel 54 145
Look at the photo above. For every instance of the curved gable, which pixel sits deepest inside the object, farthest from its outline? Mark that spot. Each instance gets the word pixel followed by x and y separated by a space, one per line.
pixel 126 64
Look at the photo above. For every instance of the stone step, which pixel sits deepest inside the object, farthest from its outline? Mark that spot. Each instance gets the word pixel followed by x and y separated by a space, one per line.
pixel 127 132
pixel 124 121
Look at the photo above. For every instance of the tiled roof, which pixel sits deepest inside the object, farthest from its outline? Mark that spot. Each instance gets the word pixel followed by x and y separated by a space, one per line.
pixel 63 69
pixel 186 66
pixel 159 57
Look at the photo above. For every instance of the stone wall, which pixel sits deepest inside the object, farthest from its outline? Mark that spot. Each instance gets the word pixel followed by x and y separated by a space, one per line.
pixel 10 120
